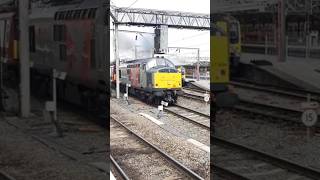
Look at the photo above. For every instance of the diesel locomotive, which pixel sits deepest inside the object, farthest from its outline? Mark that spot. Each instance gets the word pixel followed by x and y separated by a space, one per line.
pixel 220 70
pixel 152 79
pixel 231 26
pixel 69 37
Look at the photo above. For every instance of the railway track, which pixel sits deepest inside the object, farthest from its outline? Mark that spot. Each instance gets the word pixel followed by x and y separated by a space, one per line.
pixel 275 112
pixel 148 155
pixel 120 171
pixel 279 90
pixel 193 96
pixel 5 176
pixel 284 113
pixel 195 89
pixel 236 161
pixel 193 93
pixel 195 117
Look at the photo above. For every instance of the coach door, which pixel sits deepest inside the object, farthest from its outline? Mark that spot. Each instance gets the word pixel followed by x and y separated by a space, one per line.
pixel 143 76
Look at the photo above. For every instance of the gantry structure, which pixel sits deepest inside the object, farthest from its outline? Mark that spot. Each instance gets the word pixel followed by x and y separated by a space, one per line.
pixel 154 18
pixel 292 6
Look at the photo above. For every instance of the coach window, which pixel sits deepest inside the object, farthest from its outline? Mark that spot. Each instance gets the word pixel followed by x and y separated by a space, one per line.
pixel 68 15
pixel 78 14
pixel 92 13
pixel 32 39
pixel 75 14
pixel 60 15
pixel 56 16
pixel 84 14
pixel 64 15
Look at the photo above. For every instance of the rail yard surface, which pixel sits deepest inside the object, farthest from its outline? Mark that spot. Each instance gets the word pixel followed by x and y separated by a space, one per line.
pixel 268 120
pixel 30 148
pixel 184 141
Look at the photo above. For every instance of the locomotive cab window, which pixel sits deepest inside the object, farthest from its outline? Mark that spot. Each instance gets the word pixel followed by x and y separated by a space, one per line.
pixel 164 63
pixel 159 63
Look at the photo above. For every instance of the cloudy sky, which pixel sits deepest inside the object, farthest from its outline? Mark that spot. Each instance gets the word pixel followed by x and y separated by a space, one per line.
pixel 176 37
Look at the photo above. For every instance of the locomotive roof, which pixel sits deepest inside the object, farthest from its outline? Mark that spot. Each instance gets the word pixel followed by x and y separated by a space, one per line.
pixel 141 61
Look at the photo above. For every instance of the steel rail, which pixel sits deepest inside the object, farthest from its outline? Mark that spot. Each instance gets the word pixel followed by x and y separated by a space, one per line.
pixel 277 90
pixel 228 173
pixel 196 112
pixel 293 92
pixel 167 156
pixel 5 176
pixel 188 119
pixel 119 169
pixel 193 96
pixel 195 89
pixel 273 108
pixel 277 161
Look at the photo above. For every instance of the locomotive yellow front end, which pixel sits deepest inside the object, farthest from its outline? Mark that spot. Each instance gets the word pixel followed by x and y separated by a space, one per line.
pixel 167 80
pixel 164 79
pixel 167 84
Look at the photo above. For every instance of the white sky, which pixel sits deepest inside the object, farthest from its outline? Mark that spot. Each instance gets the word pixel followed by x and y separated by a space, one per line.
pixel 176 37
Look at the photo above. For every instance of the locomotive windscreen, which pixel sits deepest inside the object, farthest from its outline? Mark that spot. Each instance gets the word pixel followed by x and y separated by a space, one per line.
pixel 159 62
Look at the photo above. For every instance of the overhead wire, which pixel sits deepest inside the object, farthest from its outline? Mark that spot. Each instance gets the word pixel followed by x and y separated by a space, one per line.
pixel 189 37
pixel 131 4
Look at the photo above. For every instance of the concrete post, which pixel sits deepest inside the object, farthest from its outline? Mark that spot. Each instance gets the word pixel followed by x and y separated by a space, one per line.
pixel 282 30
pixel 116 54
pixel 24 58
pixel 198 64
pixel 266 44
pixel 54 95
